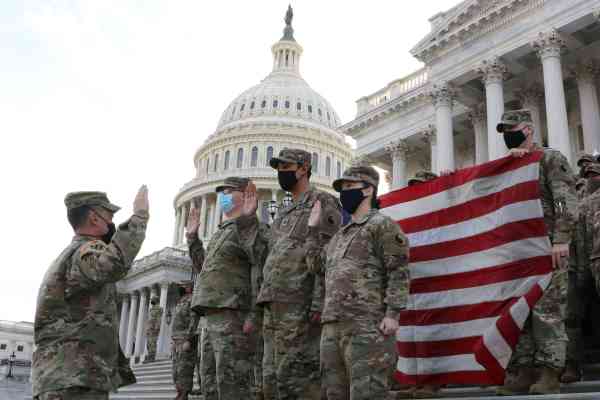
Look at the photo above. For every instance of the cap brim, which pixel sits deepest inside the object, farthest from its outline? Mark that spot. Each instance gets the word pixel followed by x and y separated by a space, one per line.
pixel 274 162
pixel 337 184
pixel 501 127
pixel 223 187
pixel 113 208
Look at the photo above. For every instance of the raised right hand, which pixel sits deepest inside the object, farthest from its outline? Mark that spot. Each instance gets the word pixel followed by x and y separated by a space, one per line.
pixel 193 221
pixel 250 200
pixel 141 200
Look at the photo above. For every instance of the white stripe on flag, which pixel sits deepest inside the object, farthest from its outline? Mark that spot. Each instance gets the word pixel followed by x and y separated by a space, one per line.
pixel 496 345
pixel 455 330
pixel 438 365
pixel 510 252
pixel 471 190
pixel 519 312
pixel 475 295
pixel 510 213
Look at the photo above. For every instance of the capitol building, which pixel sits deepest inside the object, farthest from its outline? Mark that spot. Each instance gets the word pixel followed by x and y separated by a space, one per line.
pixel 282 111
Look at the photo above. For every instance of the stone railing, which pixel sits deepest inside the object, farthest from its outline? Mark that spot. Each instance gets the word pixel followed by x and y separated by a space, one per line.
pixel 167 255
pixel 393 90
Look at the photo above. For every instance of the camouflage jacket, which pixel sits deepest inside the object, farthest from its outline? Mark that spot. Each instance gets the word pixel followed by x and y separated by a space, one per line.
pixel 559 201
pixel 154 319
pixel 185 322
pixel 287 278
pixel 196 250
pixel 76 329
pixel 231 274
pixel 365 269
pixel 589 227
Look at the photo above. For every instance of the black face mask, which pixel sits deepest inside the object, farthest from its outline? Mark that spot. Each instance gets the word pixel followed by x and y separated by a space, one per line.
pixel 107 237
pixel 514 139
pixel 287 180
pixel 351 199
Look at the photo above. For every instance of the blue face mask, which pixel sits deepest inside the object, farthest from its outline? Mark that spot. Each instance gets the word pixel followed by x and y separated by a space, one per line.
pixel 226 202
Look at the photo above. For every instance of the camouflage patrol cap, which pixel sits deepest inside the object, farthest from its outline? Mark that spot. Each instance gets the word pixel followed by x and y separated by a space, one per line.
pixel 586 158
pixel 591 169
pixel 296 156
pixel 512 118
pixel 422 176
pixel 90 199
pixel 361 173
pixel 233 182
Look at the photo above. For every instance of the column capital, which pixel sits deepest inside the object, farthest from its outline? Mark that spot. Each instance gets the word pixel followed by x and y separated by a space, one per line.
pixel 585 71
pixel 165 285
pixel 397 150
pixel 549 44
pixel 442 95
pixel 477 115
pixel 135 294
pixel 492 70
pixel 531 95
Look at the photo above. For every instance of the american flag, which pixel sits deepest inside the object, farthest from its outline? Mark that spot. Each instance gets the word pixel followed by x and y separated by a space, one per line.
pixel 480 259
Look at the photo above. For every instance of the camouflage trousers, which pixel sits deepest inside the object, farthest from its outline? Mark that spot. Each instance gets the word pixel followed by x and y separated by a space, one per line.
pixel 291 353
pixel 206 369
pixel 355 360
pixel 74 393
pixel 543 341
pixel 152 341
pixel 227 355
pixel 184 362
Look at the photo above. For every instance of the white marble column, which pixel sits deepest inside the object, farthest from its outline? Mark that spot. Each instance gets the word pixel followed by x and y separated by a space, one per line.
pixel 398 151
pixel 442 97
pixel 586 74
pixel 123 321
pixel 177 224
pixel 164 291
pixel 531 99
pixel 186 207
pixel 430 138
pixel 141 321
pixel 130 327
pixel 479 121
pixel 274 195
pixel 203 214
pixel 549 46
pixel 493 72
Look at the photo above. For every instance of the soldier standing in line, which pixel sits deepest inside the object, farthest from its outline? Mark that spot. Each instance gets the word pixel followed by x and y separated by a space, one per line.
pixel 76 329
pixel 153 328
pixel 543 342
pixel 226 290
pixel 579 279
pixel 365 270
pixel 291 318
pixel 185 342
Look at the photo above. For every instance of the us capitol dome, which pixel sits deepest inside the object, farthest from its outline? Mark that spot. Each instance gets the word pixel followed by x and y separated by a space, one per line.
pixel 282 111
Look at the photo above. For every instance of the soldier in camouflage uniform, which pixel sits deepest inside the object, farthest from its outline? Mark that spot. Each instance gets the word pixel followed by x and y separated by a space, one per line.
pixel 543 341
pixel 291 318
pixel 365 270
pixel 226 290
pixel 185 342
pixel 579 279
pixel 76 329
pixel 153 328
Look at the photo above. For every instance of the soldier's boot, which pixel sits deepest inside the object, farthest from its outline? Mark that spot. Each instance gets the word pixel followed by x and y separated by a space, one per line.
pixel 517 384
pixel 572 373
pixel 426 392
pixel 548 383
pixel 403 391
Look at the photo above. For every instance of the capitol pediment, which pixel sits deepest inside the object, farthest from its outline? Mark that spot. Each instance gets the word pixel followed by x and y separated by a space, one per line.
pixel 465 21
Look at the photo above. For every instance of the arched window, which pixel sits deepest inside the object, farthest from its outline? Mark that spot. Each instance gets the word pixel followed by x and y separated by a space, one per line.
pixel 309 109
pixel 242 107
pixel 328 166
pixel 263 104
pixel 216 166
pixel 339 169
pixel 319 111
pixel 226 164
pixel 287 104
pixel 233 111
pixel 298 106
pixel 328 116
pixel 315 163
pixel 240 158
pixel 254 157
pixel 252 106
pixel 207 164
pixel 275 103
pixel 269 154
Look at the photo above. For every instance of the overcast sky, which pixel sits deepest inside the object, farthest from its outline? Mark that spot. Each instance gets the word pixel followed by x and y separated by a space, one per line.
pixel 108 95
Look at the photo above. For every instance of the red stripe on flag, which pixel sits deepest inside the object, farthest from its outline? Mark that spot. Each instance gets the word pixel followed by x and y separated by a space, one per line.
pixel 495 372
pixel 507 272
pixel 461 377
pixel 448 315
pixel 440 348
pixel 458 178
pixel 472 209
pixel 519 230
